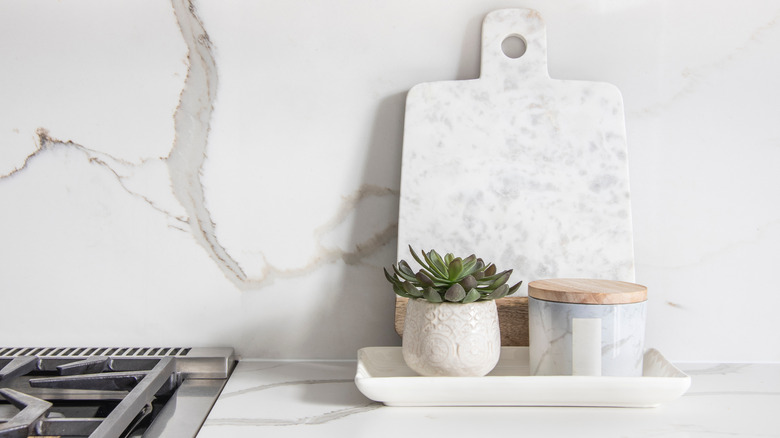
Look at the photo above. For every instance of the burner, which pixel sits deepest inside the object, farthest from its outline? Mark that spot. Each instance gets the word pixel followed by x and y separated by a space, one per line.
pixel 109 392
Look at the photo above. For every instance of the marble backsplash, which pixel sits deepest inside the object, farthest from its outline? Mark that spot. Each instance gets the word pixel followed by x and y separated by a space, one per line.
pixel 227 173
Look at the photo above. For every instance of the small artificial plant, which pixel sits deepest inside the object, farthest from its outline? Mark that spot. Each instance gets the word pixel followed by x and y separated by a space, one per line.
pixel 450 279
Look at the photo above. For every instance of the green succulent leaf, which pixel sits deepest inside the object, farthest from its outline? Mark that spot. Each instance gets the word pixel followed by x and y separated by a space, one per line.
pixel 428 264
pixel 392 279
pixel 437 262
pixel 500 292
pixel 469 265
pixel 405 268
pixel 448 258
pixel 431 295
pixel 416 293
pixel 424 279
pixel 455 293
pixel 495 276
pixel 400 291
pixel 455 268
pixel 402 274
pixel 410 289
pixel 514 288
pixel 503 278
pixel 490 270
pixel 417 258
pixel 469 282
pixel 471 296
pixel 426 269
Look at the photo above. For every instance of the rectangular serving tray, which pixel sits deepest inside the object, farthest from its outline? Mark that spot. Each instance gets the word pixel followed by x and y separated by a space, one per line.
pixel 382 375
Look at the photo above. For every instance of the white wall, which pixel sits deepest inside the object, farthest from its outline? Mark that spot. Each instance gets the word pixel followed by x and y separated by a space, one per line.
pixel 267 226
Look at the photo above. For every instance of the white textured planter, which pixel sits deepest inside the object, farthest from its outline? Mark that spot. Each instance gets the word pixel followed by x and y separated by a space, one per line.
pixel 451 339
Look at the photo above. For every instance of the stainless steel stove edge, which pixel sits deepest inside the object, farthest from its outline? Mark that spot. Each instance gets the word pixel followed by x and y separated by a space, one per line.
pixel 207 363
pixel 187 409
pixel 192 363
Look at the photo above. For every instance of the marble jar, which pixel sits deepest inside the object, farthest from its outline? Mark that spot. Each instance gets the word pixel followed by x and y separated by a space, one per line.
pixel 451 339
pixel 586 327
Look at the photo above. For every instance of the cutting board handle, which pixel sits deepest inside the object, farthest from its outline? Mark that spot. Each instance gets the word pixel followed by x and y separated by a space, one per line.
pixel 511 72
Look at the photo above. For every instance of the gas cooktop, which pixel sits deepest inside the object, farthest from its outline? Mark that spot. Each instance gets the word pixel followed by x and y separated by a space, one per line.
pixel 109 392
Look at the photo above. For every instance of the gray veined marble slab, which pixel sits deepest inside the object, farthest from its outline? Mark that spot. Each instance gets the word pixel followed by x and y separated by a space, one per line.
pixel 526 171
pixel 320 399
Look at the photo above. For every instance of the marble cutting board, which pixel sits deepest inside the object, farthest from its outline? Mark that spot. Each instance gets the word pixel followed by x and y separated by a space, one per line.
pixel 526 171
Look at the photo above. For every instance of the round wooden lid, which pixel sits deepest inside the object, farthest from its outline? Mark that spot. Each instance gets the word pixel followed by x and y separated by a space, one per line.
pixel 585 291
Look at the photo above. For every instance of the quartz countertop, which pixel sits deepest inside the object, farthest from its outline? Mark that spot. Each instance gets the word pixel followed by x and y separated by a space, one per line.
pixel 320 399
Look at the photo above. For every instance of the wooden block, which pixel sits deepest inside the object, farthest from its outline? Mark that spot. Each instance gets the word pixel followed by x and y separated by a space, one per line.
pixel 512 319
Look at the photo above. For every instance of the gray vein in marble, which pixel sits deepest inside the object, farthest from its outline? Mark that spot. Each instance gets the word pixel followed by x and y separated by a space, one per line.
pixel 105 161
pixel 608 348
pixel 309 421
pixel 189 151
pixel 348 205
pixel 336 415
pixel 27 159
pixel 187 156
pixel 192 124
pixel 288 383
pixel 720 369
pixel 675 305
pixel 326 255
pixel 548 350
pixel 695 76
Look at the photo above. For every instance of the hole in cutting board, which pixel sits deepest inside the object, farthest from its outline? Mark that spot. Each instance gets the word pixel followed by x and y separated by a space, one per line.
pixel 513 46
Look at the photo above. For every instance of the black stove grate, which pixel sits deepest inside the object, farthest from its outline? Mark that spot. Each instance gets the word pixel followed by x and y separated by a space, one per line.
pixel 158 392
pixel 123 387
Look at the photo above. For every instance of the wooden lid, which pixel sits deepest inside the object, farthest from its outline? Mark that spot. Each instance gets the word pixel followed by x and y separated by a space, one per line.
pixel 585 291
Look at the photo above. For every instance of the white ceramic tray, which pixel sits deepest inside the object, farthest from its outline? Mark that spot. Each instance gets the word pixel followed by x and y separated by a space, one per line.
pixel 382 375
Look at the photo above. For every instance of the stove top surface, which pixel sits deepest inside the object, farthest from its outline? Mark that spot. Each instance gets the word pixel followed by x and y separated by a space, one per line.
pixel 109 392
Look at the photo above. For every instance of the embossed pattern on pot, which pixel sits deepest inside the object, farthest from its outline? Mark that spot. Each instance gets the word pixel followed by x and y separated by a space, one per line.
pixel 451 339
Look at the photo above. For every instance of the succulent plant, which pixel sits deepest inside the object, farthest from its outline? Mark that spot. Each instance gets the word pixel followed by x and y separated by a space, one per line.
pixel 450 279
